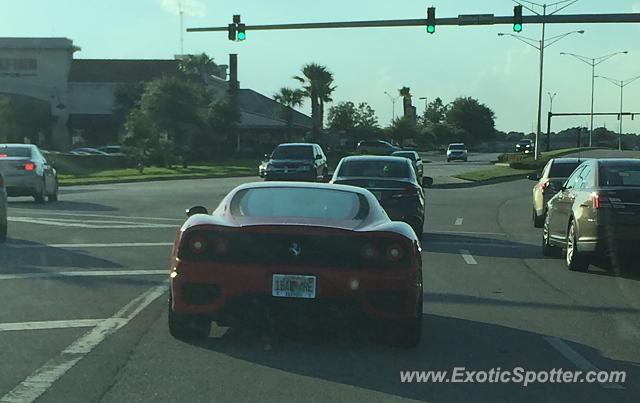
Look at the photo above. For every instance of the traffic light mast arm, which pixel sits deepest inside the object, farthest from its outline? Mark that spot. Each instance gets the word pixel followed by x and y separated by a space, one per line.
pixel 421 22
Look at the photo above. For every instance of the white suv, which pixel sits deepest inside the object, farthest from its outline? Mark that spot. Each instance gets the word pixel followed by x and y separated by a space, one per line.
pixel 457 151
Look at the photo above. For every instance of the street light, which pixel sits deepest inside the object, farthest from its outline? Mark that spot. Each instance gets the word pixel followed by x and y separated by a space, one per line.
pixel 393 101
pixel 551 96
pixel 621 84
pixel 542 45
pixel 593 62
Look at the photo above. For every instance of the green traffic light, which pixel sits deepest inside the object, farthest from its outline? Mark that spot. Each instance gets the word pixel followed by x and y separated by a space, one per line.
pixel 431 29
pixel 242 36
pixel 517 27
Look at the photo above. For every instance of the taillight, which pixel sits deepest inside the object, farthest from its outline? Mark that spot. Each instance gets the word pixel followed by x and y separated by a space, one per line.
pixel 197 245
pixel 395 252
pixel 3 155
pixel 369 251
pixel 29 166
pixel 543 186
pixel 596 200
pixel 221 245
pixel 409 191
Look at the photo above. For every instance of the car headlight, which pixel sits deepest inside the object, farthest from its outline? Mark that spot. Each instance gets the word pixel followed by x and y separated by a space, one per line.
pixel 304 168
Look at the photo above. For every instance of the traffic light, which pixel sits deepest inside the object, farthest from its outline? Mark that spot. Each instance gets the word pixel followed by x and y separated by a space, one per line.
pixel 431 20
pixel 237 30
pixel 517 18
pixel 232 32
pixel 242 35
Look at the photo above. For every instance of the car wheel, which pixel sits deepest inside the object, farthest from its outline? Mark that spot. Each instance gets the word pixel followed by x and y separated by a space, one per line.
pixel 54 196
pixel 448 160
pixel 576 261
pixel 548 249
pixel 465 160
pixel 188 327
pixel 41 193
pixel 3 231
pixel 538 221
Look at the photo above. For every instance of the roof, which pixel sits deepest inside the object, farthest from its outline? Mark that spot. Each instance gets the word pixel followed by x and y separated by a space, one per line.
pixel 37 43
pixel 618 161
pixel 120 71
pixel 569 160
pixel 375 158
pixel 17 145
pixel 260 111
pixel 296 144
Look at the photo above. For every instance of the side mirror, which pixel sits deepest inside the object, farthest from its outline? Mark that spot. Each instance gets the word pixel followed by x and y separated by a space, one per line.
pixel 427 182
pixel 534 176
pixel 196 210
pixel 318 157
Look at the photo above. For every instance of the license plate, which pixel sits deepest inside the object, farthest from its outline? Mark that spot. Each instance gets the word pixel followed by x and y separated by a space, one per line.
pixel 293 286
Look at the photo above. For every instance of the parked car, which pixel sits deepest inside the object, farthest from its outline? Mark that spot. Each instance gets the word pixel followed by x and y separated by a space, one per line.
pixel 457 151
pixel 87 151
pixel 392 180
pixel 595 213
pixel 3 210
pixel 415 158
pixel 553 176
pixel 112 150
pixel 295 253
pixel 27 172
pixel 525 146
pixel 376 147
pixel 297 162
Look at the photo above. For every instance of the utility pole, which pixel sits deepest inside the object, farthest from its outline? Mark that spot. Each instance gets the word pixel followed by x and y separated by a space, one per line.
pixel 393 107
pixel 621 84
pixel 549 120
pixel 181 28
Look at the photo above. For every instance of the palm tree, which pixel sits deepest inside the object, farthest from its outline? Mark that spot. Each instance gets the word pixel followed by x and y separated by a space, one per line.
pixel 317 84
pixel 288 99
pixel 405 93
pixel 201 66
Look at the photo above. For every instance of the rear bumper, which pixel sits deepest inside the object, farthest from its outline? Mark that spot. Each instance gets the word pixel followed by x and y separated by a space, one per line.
pixel 290 176
pixel 22 185
pixel 459 157
pixel 611 238
pixel 231 292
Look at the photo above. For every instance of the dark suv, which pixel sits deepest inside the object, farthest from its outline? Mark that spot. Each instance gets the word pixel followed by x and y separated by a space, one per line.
pixel 376 147
pixel 297 162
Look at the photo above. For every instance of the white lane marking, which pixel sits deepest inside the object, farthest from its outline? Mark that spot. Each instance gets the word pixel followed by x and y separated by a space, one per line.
pixel 458 221
pixel 50 324
pixel 479 243
pixel 32 212
pixel 577 359
pixel 467 233
pixel 41 380
pixel 90 245
pixel 466 255
pixel 89 224
pixel 94 273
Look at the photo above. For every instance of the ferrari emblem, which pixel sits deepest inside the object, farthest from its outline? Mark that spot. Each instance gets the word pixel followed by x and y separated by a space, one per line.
pixel 295 250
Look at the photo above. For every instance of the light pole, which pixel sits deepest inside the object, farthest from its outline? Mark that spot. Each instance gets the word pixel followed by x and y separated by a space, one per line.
pixel 621 84
pixel 593 62
pixel 551 96
pixel 542 45
pixel 393 109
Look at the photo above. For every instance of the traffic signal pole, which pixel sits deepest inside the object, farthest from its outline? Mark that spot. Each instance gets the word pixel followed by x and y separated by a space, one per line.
pixel 539 128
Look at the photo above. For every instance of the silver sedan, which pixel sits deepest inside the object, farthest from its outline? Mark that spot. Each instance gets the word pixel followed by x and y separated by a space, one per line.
pixel 27 173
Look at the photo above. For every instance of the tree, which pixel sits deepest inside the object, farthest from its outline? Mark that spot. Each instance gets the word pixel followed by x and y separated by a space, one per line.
pixel 126 97
pixel 198 67
pixel 405 93
pixel 435 113
pixel 22 117
pixel 355 122
pixel 222 120
pixel 318 86
pixel 288 99
pixel 476 120
pixel 402 129
pixel 342 118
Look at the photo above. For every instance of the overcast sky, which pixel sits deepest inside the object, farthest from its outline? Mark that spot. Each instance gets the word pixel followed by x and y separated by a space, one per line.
pixel 456 61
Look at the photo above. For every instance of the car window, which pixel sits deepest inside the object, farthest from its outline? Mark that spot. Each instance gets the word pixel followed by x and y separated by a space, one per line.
pixel 619 175
pixel 375 169
pixel 563 169
pixel 457 147
pixel 585 178
pixel 20 152
pixel 293 152
pixel 574 179
pixel 298 202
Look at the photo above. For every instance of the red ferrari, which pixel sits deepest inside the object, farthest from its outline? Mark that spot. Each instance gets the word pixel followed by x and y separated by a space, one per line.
pixel 294 250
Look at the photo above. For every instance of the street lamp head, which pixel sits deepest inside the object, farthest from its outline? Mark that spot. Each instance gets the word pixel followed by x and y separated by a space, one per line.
pixel 581 31
pixel 625 52
pixel 500 34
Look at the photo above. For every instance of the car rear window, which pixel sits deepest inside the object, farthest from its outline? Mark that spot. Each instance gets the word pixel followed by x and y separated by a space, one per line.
pixel 300 203
pixel 620 175
pixel 563 169
pixel 374 169
pixel 20 152
pixel 293 153
pixel 457 147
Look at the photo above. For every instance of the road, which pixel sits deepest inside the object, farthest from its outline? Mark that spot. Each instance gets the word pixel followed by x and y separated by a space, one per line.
pixel 84 305
pixel 443 172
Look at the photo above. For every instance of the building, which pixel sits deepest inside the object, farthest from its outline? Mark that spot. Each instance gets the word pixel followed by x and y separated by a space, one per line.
pixel 80 93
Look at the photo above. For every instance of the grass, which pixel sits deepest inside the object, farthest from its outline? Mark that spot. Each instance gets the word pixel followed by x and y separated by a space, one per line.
pixel 230 168
pixel 493 173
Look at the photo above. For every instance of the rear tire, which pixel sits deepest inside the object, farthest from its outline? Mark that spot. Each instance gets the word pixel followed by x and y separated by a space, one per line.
pixel 39 197
pixel 54 196
pixel 188 327
pixel 576 261
pixel 408 334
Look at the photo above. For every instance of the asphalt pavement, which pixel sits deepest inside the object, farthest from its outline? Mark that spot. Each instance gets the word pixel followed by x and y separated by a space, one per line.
pixel 84 309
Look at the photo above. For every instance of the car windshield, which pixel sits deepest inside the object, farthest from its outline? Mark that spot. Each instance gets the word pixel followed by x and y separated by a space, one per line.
pixel 620 175
pixel 299 203
pixel 563 169
pixel 457 147
pixel 293 153
pixel 374 169
pixel 20 152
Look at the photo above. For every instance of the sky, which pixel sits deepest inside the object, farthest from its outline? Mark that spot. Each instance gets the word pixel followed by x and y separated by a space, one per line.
pixel 501 72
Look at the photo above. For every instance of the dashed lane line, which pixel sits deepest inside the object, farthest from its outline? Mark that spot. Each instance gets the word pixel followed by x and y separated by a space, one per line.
pixel 89 245
pixel 468 258
pixel 92 273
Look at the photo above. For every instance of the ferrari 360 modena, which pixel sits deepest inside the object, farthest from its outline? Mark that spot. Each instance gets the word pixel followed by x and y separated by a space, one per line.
pixel 290 251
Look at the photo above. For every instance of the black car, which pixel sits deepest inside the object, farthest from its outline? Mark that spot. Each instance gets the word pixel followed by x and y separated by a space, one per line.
pixel 376 147
pixel 525 146
pixel 297 162
pixel 392 180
